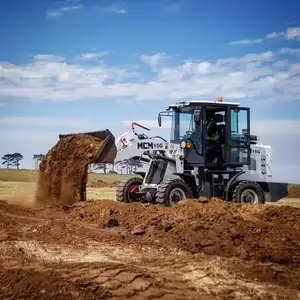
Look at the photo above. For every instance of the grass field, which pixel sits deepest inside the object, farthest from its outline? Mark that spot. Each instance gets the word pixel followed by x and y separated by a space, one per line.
pixel 13 175
pixel 18 186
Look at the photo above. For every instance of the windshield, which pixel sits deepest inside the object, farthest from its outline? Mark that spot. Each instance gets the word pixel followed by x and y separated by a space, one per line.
pixel 182 125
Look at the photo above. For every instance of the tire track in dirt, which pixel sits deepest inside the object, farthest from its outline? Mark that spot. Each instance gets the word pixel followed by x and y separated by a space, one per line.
pixel 125 273
pixel 114 278
pixel 70 250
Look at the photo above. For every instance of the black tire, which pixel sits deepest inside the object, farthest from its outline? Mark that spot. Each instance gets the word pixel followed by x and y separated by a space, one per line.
pixel 123 193
pixel 255 193
pixel 165 189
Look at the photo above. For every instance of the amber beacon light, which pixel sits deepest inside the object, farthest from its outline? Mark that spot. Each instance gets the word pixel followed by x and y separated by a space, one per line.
pixel 220 99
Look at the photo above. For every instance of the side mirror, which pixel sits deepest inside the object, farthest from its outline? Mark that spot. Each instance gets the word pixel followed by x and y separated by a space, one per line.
pixel 197 116
pixel 159 120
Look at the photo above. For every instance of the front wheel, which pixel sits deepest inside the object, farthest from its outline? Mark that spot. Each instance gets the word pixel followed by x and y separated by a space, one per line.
pixel 171 191
pixel 127 188
pixel 248 192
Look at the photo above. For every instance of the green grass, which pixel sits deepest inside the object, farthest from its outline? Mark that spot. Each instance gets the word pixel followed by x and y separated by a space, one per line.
pixel 23 192
pixel 13 175
pixel 18 175
pixel 18 186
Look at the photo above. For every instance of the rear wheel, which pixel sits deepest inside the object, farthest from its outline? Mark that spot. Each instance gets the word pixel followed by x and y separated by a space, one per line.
pixel 171 191
pixel 248 192
pixel 127 188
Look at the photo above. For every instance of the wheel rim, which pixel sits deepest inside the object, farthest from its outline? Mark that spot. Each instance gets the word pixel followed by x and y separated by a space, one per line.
pixel 176 195
pixel 249 196
pixel 130 194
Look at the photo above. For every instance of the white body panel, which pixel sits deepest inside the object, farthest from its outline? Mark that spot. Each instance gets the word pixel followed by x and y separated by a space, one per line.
pixel 260 169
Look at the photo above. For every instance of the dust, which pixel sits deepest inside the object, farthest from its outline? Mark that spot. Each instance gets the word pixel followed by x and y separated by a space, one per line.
pixel 63 172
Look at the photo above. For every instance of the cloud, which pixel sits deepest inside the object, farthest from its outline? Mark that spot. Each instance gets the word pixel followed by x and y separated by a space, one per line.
pixel 246 42
pixel 93 55
pixel 43 122
pixel 48 58
pixel 273 76
pixel 290 51
pixel 292 33
pixel 155 59
pixel 58 12
pixel 116 8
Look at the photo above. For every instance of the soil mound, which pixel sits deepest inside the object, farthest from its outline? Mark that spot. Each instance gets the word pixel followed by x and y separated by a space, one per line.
pixel 294 191
pixel 63 172
pixel 44 284
pixel 265 234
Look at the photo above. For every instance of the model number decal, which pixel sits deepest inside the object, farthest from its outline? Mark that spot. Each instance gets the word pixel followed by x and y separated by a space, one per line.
pixel 255 151
pixel 149 145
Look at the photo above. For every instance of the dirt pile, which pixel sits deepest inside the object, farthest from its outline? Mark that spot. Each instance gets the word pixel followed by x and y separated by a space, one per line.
pixel 294 191
pixel 44 284
pixel 110 250
pixel 63 172
pixel 265 234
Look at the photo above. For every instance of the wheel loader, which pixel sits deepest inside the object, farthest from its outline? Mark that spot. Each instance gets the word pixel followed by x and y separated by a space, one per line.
pixel 211 153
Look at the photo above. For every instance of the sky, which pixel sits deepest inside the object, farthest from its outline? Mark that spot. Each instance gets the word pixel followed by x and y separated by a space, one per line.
pixel 79 65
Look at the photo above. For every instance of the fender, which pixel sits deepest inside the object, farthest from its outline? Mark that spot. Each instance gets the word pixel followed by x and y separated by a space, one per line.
pixel 189 179
pixel 230 182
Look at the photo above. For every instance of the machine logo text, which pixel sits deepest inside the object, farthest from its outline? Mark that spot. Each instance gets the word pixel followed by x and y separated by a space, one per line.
pixel 149 145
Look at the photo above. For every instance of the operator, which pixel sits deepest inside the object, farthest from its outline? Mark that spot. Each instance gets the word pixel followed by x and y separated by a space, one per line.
pixel 212 134
pixel 212 139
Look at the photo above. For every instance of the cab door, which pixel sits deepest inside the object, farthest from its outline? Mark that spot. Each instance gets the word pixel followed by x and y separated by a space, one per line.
pixel 239 136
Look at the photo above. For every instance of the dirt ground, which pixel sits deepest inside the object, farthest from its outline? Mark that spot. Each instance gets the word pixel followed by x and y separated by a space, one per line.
pixel 101 184
pixel 294 191
pixel 108 250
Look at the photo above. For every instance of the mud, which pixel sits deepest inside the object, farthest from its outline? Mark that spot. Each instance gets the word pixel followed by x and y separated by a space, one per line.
pixel 108 250
pixel 63 172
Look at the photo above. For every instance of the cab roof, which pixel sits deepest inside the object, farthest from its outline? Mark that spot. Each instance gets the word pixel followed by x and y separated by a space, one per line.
pixel 202 103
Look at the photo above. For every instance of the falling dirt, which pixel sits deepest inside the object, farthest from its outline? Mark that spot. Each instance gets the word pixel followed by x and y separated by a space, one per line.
pixel 108 250
pixel 63 172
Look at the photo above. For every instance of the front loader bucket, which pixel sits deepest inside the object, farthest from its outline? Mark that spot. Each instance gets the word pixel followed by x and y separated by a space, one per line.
pixel 107 150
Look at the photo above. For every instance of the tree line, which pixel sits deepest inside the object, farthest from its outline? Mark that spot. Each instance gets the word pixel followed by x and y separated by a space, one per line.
pixel 125 167
pixel 12 160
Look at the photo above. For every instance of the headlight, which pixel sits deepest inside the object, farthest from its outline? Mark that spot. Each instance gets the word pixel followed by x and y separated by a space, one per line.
pixel 183 144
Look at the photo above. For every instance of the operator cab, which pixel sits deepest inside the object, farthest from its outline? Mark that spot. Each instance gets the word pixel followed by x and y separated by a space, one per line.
pixel 211 133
